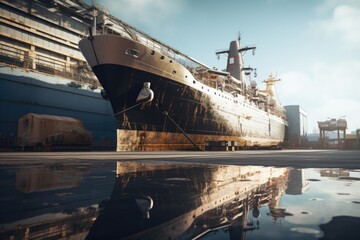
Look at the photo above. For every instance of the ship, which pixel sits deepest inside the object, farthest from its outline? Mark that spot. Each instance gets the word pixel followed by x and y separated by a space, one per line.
pixel 188 104
pixel 42 70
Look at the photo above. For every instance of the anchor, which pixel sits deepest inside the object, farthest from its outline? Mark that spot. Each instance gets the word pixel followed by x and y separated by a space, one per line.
pixel 145 95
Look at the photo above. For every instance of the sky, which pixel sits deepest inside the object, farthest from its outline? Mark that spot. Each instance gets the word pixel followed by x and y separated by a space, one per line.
pixel 312 45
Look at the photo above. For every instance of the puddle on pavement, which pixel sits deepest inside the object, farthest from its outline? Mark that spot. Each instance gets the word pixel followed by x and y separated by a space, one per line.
pixel 159 200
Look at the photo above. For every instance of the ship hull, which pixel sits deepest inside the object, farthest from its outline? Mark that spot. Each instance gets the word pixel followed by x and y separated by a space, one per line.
pixel 202 112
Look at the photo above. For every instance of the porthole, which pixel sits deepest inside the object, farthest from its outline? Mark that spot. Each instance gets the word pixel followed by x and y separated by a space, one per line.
pixel 194 82
pixel 152 52
pixel 170 61
pixel 174 72
pixel 162 57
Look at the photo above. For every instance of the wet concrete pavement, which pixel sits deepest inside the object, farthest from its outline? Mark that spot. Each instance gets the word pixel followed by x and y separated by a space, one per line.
pixel 349 159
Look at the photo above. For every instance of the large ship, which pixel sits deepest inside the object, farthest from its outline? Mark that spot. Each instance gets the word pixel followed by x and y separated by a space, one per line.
pixel 42 70
pixel 183 103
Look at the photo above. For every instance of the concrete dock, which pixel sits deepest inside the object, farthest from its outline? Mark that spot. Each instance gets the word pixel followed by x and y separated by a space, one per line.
pixel 349 159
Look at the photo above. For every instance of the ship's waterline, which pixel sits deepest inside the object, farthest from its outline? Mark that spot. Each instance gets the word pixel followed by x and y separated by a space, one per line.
pixel 138 140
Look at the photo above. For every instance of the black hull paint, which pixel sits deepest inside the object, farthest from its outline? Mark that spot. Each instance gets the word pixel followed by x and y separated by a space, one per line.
pixel 184 104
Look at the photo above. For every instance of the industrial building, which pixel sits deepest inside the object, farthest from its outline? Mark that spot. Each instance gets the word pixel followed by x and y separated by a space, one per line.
pixel 298 126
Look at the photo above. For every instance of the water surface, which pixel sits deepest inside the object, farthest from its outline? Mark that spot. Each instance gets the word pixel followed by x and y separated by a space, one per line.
pixel 162 200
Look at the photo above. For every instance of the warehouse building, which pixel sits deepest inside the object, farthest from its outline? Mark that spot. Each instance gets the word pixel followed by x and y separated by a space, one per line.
pixel 298 126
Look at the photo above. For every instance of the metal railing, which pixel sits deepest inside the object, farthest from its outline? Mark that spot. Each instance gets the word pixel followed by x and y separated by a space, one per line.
pixel 81 73
pixel 48 13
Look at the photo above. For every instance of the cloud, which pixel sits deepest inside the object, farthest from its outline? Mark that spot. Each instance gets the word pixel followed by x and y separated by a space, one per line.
pixel 345 23
pixel 324 90
pixel 328 85
pixel 336 108
pixel 339 79
pixel 294 87
pixel 144 12
pixel 329 5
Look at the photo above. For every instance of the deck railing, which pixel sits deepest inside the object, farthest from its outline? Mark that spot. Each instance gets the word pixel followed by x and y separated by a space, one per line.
pixel 80 72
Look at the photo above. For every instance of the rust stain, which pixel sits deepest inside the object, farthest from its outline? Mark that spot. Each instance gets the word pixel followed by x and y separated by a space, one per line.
pixel 163 93
pixel 164 126
pixel 125 117
pixel 130 140
pixel 194 115
pixel 184 90
pixel 171 102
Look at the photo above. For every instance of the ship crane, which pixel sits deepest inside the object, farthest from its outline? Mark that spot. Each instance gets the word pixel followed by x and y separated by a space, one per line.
pixel 270 85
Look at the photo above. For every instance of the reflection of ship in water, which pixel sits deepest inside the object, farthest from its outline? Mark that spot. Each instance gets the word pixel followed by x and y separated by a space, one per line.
pixel 296 184
pixel 51 201
pixel 169 201
pixel 74 225
pixel 50 177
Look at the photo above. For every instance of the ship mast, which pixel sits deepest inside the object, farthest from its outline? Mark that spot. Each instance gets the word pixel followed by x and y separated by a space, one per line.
pixel 235 64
